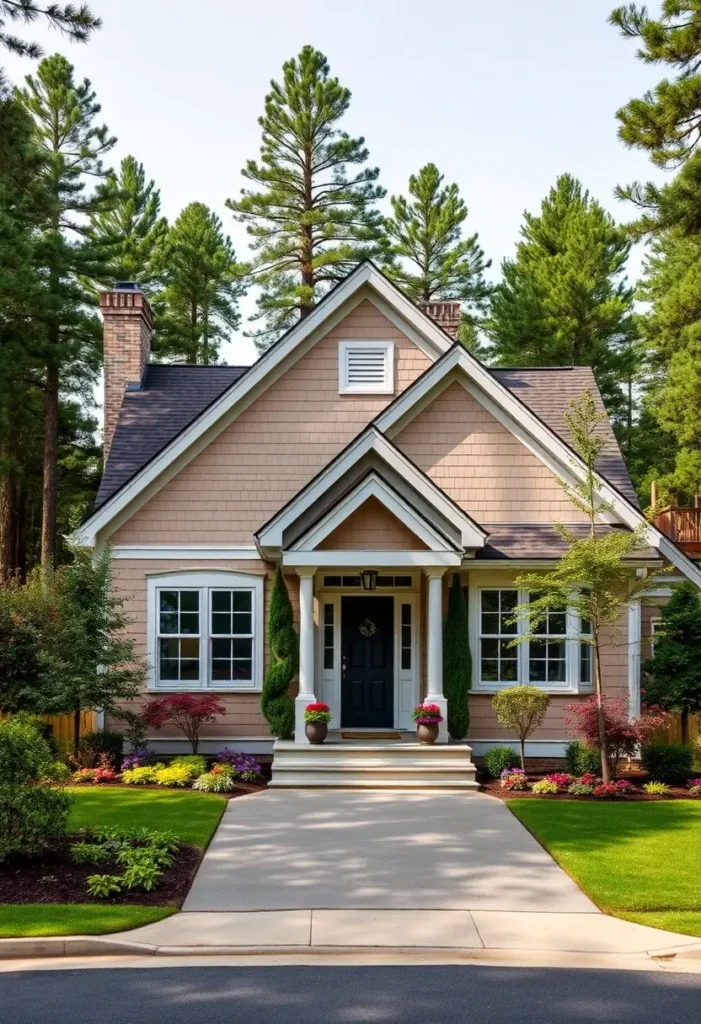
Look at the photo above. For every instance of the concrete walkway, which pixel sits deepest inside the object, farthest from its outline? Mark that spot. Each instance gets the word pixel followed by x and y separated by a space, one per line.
pixel 378 850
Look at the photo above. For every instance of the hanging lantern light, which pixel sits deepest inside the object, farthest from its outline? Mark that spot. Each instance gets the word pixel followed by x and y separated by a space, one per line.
pixel 369 578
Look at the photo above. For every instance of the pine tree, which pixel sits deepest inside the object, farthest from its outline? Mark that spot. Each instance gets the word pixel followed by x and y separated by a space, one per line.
pixel 198 307
pixel 427 255
pixel 130 229
pixel 73 145
pixel 666 121
pixel 564 300
pixel 311 220
pixel 75 22
pixel 673 674
pixel 457 661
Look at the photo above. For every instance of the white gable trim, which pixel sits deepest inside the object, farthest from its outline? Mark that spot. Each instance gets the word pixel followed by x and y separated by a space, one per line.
pixel 543 442
pixel 372 487
pixel 271 535
pixel 343 559
pixel 364 282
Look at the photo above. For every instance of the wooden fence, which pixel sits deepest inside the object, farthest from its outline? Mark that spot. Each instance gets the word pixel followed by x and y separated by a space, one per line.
pixel 62 727
pixel 673 732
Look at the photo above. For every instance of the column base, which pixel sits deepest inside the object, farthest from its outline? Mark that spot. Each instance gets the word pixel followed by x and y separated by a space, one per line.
pixel 301 702
pixel 443 727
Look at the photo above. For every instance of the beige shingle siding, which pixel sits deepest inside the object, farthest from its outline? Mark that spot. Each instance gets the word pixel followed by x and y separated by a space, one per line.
pixel 276 446
pixel 243 717
pixel 372 527
pixel 481 465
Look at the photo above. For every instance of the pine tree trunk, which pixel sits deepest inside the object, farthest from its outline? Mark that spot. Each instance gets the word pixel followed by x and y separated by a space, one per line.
pixel 307 268
pixel 8 515
pixel 603 745
pixel 684 722
pixel 48 509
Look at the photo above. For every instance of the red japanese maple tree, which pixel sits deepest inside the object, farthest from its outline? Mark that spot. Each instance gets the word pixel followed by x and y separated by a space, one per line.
pixel 186 711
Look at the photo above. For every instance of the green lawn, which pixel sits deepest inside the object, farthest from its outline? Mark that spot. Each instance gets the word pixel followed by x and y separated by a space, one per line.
pixel 639 861
pixel 192 816
pixel 33 919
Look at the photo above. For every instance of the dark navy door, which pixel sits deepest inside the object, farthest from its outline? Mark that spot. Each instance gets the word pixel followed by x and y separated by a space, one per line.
pixel 367 662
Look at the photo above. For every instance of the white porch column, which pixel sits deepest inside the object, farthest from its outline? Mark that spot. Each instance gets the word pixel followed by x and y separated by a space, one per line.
pixel 635 621
pixel 435 647
pixel 306 649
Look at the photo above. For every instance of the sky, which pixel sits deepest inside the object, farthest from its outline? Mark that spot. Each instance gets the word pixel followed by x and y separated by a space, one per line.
pixel 502 96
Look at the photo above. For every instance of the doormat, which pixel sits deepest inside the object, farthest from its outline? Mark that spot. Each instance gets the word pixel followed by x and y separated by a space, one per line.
pixel 371 736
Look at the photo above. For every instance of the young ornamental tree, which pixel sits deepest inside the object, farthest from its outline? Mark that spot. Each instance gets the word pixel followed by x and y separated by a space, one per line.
pixel 592 577
pixel 283 643
pixel 521 708
pixel 187 712
pixel 457 661
pixel 88 660
pixel 673 674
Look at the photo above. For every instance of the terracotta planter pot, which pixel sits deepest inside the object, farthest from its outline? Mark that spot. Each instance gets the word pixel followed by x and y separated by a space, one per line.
pixel 316 731
pixel 427 734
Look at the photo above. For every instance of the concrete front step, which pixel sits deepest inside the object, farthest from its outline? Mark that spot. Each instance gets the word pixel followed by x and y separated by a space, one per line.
pixel 373 765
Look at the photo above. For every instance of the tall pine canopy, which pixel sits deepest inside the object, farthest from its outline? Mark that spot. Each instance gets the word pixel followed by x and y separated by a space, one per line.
pixel 198 306
pixel 564 300
pixel 427 255
pixel 72 144
pixel 130 229
pixel 76 22
pixel 310 210
pixel 665 123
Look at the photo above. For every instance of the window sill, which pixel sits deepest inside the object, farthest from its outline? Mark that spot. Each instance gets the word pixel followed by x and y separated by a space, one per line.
pixel 553 690
pixel 204 689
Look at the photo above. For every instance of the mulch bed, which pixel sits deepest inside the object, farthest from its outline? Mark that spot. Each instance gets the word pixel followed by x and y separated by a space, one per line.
pixel 54 878
pixel 492 788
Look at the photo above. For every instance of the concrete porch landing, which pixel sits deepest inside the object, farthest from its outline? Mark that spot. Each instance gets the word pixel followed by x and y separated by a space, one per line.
pixel 373 763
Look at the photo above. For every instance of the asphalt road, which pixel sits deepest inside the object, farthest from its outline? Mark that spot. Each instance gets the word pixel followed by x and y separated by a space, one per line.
pixel 345 995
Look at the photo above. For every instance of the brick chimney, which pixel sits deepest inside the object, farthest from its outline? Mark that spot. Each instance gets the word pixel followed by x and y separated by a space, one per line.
pixel 446 313
pixel 126 332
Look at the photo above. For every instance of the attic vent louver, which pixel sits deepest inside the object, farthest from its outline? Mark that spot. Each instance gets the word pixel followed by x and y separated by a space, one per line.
pixel 366 367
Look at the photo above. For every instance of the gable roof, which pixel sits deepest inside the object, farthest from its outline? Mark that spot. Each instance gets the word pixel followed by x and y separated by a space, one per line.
pixel 171 397
pixel 403 475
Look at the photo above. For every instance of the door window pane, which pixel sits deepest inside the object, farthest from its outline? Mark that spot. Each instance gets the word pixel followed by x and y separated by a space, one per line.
pixel 406 637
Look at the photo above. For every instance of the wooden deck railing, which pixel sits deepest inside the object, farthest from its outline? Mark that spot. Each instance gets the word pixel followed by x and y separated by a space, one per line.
pixel 682 525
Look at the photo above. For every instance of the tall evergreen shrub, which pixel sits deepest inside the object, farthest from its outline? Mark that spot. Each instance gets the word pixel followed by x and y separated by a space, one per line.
pixel 276 703
pixel 457 661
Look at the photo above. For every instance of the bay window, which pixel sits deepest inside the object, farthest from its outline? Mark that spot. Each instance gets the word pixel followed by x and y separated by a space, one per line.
pixel 205 631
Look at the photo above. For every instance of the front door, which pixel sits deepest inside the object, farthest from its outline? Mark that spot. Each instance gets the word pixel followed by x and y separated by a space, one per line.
pixel 367 662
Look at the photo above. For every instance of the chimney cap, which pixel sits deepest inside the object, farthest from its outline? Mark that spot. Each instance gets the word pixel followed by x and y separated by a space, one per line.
pixel 127 286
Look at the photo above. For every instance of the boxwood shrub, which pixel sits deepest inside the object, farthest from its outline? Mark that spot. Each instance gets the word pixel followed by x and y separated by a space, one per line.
pixel 499 758
pixel 672 763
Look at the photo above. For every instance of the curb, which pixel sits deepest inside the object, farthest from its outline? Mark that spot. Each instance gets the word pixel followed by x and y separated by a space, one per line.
pixel 93 946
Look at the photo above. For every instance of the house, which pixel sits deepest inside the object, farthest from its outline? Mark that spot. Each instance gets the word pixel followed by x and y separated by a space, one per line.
pixel 373 457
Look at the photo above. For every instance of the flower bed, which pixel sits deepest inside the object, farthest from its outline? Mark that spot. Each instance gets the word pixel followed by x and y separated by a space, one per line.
pixel 230 770
pixel 586 787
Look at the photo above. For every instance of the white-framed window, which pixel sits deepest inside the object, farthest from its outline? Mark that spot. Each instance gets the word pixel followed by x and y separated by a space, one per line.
pixel 555 659
pixel 205 631
pixel 655 627
pixel 498 660
pixel 365 367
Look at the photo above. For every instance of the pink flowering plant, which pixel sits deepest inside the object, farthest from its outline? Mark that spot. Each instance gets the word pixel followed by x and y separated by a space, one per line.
pixel 427 714
pixel 514 779
pixel 695 787
pixel 561 779
pixel 614 789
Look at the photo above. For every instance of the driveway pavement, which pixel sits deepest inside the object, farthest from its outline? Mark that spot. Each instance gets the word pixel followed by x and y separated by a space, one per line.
pixel 379 850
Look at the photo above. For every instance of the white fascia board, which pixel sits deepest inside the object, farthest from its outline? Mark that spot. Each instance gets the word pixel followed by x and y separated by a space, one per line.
pixel 371 487
pixel 543 442
pixel 216 552
pixel 373 559
pixel 372 440
pixel 322 318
